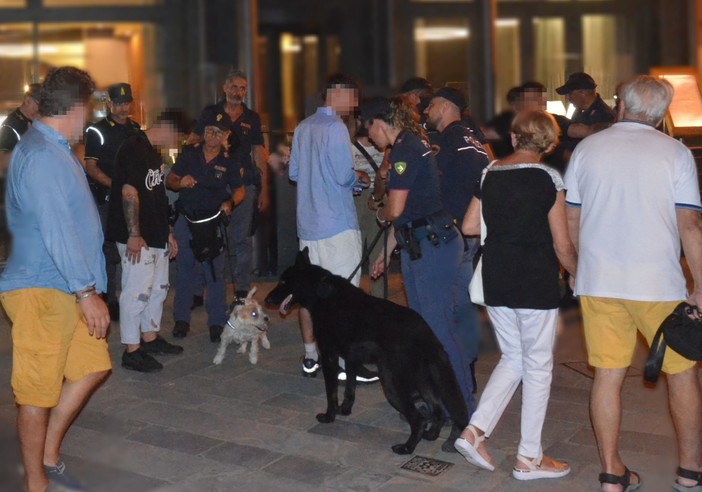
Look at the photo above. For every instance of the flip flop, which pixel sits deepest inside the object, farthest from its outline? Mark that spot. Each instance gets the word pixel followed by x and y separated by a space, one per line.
pixel 470 451
pixel 691 475
pixel 623 480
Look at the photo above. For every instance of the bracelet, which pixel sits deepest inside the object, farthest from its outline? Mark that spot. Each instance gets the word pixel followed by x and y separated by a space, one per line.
pixel 377 217
pixel 85 293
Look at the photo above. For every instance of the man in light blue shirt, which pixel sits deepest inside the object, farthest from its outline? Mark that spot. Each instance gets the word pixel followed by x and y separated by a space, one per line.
pixel 50 285
pixel 322 165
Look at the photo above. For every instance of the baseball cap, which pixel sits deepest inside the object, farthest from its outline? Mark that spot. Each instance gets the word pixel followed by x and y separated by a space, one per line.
pixel 416 84
pixel 452 95
pixel 120 93
pixel 577 80
pixel 214 116
pixel 376 107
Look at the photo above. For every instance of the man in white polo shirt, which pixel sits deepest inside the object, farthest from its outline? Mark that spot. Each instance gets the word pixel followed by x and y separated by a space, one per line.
pixel 632 196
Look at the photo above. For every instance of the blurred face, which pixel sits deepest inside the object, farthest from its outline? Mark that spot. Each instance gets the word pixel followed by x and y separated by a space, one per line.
pixel 533 101
pixel 378 133
pixel 343 100
pixel 578 98
pixel 119 111
pixel 235 90
pixel 435 111
pixel 76 118
pixel 214 136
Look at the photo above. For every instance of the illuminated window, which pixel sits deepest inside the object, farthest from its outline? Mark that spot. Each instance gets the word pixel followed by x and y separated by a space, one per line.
pixel 508 66
pixel 441 49
pixel 98 3
pixel 549 56
pixel 12 4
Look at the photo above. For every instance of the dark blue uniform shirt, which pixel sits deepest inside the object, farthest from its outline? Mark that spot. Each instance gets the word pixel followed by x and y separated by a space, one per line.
pixel 245 133
pixel 461 159
pixel 412 167
pixel 215 180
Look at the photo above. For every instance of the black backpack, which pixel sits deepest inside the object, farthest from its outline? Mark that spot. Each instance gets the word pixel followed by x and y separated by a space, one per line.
pixel 679 332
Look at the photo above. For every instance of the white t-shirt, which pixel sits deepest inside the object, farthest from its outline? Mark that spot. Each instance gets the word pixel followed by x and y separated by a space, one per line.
pixel 360 163
pixel 628 181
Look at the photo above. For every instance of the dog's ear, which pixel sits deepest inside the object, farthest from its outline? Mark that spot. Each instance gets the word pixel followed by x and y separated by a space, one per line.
pixel 251 293
pixel 303 257
pixel 325 287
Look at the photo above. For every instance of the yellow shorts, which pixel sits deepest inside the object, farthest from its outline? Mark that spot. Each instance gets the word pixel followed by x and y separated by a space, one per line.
pixel 50 342
pixel 610 331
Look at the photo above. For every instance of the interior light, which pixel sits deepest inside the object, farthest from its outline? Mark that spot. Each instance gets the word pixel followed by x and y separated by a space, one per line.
pixel 556 107
pixel 507 23
pixel 571 110
pixel 439 33
pixel 289 44
pixel 26 87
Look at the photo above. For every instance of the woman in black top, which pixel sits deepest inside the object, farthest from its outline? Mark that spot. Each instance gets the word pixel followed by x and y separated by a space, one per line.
pixel 523 207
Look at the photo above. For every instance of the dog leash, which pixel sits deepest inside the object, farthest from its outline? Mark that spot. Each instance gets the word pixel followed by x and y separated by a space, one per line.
pixel 369 250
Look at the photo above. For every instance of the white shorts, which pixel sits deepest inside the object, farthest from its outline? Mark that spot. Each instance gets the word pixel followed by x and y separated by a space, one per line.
pixel 339 254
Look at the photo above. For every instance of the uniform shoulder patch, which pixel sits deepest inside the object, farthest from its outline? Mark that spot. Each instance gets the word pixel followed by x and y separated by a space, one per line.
pixel 400 167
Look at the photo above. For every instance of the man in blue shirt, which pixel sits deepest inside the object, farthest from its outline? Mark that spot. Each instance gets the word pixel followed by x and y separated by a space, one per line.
pixel 321 164
pixel 49 286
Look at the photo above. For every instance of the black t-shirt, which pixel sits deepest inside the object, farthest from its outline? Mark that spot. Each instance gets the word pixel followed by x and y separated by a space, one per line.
pixel 215 180
pixel 520 268
pixel 12 129
pixel 413 168
pixel 139 165
pixel 598 112
pixel 461 159
pixel 245 133
pixel 102 141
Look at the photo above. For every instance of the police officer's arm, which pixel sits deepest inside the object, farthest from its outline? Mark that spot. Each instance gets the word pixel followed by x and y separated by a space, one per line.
pixel 378 266
pixel 4 161
pixel 581 130
pixel 94 172
pixel 238 195
pixel 8 140
pixel 395 206
pixel 94 140
pixel 175 182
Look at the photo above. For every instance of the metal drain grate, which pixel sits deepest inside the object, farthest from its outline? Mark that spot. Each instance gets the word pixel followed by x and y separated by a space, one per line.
pixel 427 466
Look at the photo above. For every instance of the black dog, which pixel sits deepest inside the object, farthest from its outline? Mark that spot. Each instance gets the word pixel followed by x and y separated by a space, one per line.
pixel 414 370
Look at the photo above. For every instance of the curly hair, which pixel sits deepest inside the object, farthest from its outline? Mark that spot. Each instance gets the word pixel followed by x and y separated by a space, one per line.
pixel 63 88
pixel 535 131
pixel 404 116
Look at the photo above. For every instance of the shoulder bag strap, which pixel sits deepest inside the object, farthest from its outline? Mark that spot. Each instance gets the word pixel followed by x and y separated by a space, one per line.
pixel 654 362
pixel 365 153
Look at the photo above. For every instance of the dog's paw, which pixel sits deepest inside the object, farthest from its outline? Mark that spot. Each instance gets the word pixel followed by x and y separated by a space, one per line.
pixel 253 360
pixel 265 343
pixel 325 418
pixel 345 408
pixel 401 449
pixel 218 359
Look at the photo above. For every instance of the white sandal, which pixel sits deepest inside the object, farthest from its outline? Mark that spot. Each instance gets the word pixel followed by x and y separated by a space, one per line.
pixel 470 451
pixel 534 471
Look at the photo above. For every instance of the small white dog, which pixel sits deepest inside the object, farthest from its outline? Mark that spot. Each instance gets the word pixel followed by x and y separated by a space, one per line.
pixel 247 323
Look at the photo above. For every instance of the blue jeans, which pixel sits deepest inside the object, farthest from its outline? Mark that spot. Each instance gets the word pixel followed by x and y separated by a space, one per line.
pixel 240 239
pixel 428 284
pixel 464 311
pixel 188 269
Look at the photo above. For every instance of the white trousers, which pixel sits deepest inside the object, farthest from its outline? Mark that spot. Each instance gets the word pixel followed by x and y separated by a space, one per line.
pixel 526 338
pixel 144 290
pixel 339 254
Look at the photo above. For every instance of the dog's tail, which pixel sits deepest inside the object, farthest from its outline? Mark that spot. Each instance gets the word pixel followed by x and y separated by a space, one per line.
pixel 443 377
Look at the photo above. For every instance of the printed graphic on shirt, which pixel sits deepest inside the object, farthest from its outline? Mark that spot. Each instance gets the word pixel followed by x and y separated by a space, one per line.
pixel 154 178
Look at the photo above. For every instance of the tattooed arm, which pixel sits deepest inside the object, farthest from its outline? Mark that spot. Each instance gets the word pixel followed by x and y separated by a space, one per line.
pixel 130 205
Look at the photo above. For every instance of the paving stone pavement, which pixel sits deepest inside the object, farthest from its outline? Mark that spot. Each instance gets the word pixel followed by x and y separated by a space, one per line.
pixel 200 427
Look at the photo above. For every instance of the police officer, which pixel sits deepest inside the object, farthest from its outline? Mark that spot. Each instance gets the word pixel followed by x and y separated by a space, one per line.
pixel 460 159
pixel 102 140
pixel 17 123
pixel 207 179
pixel 431 244
pixel 246 146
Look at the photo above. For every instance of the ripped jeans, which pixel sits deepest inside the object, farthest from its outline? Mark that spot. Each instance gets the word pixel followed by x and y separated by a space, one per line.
pixel 144 290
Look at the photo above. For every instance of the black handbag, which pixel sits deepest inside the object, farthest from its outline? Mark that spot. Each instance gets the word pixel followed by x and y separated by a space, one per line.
pixel 679 332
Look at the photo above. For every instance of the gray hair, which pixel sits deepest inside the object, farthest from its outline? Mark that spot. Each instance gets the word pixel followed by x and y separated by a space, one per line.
pixel 646 98
pixel 235 73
